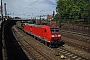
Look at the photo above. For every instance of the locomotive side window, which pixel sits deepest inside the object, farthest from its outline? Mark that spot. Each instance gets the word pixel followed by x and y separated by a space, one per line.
pixel 45 30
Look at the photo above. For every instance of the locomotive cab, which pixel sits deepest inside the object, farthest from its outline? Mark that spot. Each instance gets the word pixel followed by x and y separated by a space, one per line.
pixel 55 33
pixel 55 36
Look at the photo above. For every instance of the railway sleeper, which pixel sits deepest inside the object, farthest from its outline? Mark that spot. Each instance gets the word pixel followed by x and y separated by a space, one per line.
pixel 82 47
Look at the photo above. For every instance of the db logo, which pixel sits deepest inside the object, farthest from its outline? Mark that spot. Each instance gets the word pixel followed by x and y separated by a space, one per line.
pixel 55 35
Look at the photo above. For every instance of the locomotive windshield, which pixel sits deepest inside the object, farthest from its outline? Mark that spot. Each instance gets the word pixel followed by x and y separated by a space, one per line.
pixel 54 30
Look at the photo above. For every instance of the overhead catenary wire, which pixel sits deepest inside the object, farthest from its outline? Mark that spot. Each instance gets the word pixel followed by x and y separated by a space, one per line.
pixel 16 9
pixel 25 7
pixel 24 11
pixel 32 3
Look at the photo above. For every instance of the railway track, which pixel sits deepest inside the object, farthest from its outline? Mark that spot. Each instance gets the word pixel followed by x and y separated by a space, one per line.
pixel 77 36
pixel 58 52
pixel 79 44
pixel 78 40
pixel 73 55
pixel 36 53
pixel 18 38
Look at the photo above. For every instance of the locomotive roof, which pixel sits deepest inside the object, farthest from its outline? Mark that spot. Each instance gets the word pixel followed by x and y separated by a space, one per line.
pixel 39 26
pixel 35 25
pixel 52 26
pixel 31 24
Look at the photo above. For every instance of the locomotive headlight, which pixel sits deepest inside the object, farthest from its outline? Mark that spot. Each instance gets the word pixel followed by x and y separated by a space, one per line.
pixel 52 35
pixel 59 35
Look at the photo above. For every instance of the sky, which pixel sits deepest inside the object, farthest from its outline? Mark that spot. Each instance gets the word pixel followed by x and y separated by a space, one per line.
pixel 29 8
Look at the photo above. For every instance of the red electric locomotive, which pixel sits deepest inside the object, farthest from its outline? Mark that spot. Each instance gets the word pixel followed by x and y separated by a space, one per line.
pixel 50 35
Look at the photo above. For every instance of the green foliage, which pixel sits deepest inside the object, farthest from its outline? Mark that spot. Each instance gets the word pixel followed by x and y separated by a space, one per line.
pixel 88 10
pixel 56 16
pixel 70 9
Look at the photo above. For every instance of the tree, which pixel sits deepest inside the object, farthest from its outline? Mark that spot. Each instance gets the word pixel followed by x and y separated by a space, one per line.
pixel 88 12
pixel 72 9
